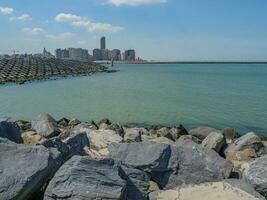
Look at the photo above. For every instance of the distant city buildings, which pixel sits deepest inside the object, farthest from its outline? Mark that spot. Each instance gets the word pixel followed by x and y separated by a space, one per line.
pixel 129 55
pixel 99 54
pixel 105 54
pixel 103 43
pixel 73 54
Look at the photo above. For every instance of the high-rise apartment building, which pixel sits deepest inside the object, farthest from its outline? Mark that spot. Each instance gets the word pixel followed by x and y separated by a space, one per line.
pixel 103 43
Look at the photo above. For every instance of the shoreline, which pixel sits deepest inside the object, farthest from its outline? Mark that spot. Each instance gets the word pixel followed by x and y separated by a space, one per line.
pixel 126 162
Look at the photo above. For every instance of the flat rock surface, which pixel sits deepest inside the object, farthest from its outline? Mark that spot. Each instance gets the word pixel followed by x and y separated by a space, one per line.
pixel 24 169
pixel 207 191
pixel 84 178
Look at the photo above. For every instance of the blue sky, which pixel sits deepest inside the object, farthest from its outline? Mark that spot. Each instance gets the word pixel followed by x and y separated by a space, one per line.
pixel 157 29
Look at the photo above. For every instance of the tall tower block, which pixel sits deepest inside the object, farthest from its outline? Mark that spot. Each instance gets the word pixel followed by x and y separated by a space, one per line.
pixel 103 43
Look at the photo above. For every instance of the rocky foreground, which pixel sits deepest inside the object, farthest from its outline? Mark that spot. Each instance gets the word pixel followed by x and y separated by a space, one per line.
pixel 22 69
pixel 69 159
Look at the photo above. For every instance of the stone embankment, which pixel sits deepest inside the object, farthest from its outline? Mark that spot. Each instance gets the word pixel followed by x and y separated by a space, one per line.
pixel 69 159
pixel 22 69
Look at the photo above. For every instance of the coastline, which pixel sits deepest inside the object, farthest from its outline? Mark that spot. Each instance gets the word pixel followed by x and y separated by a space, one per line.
pixel 126 161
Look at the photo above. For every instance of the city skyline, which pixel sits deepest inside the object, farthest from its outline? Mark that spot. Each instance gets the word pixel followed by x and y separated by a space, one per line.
pixel 234 30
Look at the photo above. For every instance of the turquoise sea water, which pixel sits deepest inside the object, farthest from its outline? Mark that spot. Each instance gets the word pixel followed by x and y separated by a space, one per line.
pixel 219 95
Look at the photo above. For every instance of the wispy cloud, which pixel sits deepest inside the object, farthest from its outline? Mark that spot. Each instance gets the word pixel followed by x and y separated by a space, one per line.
pixel 23 17
pixel 135 2
pixel 83 22
pixel 61 36
pixel 6 10
pixel 33 31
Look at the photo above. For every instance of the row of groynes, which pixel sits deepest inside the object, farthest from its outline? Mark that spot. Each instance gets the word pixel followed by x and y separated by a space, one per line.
pixel 23 69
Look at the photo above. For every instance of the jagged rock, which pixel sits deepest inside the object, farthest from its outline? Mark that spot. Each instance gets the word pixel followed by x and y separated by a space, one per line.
pixel 64 122
pixel 165 132
pixel 117 128
pixel 202 132
pixel 170 165
pixel 104 124
pixel 32 138
pixel 101 139
pixel 184 138
pixel 191 164
pixel 149 137
pixel 162 140
pixel 24 125
pixel 153 186
pixel 74 122
pixel 59 145
pixel 146 156
pixel 181 130
pixel 73 145
pixel 256 175
pixel 84 178
pixel 230 135
pixel 25 169
pixel 215 141
pixel 76 143
pixel 245 148
pixel 10 130
pixel 45 126
pixel 132 135
pixel 225 190
pixel 137 183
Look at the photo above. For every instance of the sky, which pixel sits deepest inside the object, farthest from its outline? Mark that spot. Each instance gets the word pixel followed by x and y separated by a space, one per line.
pixel 174 30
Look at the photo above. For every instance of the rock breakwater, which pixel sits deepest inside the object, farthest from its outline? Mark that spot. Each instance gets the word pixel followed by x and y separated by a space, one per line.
pixel 69 159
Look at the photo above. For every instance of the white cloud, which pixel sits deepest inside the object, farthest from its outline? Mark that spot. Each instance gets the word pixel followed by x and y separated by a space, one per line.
pixel 33 31
pixel 6 10
pixel 23 17
pixel 84 22
pixel 135 2
pixel 64 17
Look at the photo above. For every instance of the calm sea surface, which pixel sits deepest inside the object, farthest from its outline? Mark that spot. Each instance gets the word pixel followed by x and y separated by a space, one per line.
pixel 219 95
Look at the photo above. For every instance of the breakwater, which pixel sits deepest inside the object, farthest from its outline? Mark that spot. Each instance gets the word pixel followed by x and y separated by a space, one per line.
pixel 70 159
pixel 22 69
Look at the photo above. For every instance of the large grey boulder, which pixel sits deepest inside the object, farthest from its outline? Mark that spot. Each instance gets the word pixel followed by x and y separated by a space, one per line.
pixel 32 138
pixel 192 164
pixel 170 165
pixel 132 135
pixel 224 190
pixel 202 132
pixel 10 130
pixel 215 141
pixel 184 138
pixel 137 183
pixel 146 156
pixel 230 135
pixel 245 148
pixel 84 178
pixel 101 139
pixel 73 145
pixel 45 125
pixel 256 175
pixel 25 169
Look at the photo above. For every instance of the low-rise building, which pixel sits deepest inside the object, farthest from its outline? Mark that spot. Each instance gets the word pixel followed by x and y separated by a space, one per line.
pixel 129 55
